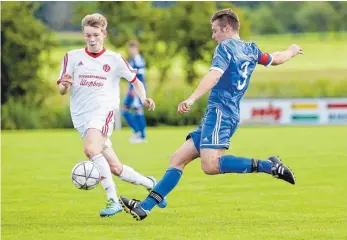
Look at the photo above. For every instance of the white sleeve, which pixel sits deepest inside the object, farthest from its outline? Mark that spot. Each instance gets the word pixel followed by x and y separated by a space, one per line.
pixel 124 70
pixel 66 68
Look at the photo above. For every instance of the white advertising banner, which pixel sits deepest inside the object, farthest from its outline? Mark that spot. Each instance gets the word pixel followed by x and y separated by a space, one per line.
pixel 296 111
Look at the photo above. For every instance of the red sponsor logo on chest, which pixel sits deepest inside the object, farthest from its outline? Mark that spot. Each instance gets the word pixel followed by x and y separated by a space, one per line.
pixel 106 67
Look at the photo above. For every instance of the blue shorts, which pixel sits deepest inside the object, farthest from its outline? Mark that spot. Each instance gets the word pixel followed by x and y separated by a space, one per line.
pixel 132 101
pixel 215 130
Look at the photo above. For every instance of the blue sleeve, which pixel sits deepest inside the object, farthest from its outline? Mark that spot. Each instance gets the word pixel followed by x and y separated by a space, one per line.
pixel 132 63
pixel 140 64
pixel 221 59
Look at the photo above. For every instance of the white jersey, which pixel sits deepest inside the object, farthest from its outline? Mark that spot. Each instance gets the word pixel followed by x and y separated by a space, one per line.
pixel 95 85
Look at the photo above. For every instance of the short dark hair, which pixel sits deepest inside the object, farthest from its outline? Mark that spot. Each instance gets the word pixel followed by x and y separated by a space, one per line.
pixel 227 16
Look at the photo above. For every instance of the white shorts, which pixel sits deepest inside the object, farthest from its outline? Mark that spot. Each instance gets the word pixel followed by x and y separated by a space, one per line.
pixel 104 122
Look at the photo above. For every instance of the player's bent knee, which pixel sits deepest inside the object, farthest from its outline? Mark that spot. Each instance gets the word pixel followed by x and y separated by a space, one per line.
pixel 116 169
pixel 210 167
pixel 90 151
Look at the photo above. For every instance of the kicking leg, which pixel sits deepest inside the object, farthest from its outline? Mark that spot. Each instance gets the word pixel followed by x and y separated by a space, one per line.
pixel 127 173
pixel 216 133
pixel 93 145
pixel 213 161
pixel 184 155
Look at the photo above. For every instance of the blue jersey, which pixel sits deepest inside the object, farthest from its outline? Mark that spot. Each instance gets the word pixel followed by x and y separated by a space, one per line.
pixel 236 60
pixel 139 64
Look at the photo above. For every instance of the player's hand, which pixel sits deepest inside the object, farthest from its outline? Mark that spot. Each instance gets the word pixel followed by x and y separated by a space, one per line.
pixel 295 49
pixel 184 106
pixel 67 80
pixel 148 102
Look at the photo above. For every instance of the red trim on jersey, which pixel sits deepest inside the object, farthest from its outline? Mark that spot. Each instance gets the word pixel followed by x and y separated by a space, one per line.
pixel 66 59
pixel 126 62
pixel 95 55
pixel 108 119
pixel 135 78
pixel 130 69
pixel 264 58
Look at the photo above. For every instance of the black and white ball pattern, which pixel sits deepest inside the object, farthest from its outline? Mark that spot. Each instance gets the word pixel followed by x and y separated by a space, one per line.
pixel 85 175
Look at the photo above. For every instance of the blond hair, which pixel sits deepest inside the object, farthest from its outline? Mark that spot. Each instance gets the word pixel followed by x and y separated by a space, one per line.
pixel 94 20
pixel 227 16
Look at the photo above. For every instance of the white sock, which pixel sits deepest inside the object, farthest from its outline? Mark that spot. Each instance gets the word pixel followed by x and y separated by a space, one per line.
pixel 106 176
pixel 130 175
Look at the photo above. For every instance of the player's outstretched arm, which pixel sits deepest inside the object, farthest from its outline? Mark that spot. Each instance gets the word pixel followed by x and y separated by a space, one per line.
pixel 279 58
pixel 141 93
pixel 205 85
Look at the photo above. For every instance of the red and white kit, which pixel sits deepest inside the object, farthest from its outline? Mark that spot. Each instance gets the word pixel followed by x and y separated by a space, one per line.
pixel 95 88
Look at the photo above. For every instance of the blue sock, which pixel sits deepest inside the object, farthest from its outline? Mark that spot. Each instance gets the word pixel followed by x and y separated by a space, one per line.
pixel 233 164
pixel 141 121
pixel 164 187
pixel 130 119
pixel 264 166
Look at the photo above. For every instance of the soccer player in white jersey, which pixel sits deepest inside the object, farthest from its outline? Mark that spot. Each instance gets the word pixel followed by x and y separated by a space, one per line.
pixel 93 74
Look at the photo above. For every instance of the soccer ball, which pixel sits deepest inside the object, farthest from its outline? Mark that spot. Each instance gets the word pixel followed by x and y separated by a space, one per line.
pixel 85 175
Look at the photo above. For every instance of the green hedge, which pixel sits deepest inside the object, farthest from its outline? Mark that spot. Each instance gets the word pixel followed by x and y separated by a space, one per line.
pixel 298 88
pixel 166 110
pixel 18 114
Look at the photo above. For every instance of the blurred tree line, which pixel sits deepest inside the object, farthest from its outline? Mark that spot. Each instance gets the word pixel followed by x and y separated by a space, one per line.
pixel 296 17
pixel 25 47
pixel 266 17
pixel 183 29
pixel 166 30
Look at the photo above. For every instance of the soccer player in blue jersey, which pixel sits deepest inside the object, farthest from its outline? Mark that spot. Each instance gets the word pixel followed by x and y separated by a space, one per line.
pixel 232 65
pixel 136 120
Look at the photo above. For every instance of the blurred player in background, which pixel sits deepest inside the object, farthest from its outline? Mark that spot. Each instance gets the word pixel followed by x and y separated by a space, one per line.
pixel 92 74
pixel 228 79
pixel 133 107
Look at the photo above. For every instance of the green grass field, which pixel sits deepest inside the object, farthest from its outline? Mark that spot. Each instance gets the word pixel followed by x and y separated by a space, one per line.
pixel 39 200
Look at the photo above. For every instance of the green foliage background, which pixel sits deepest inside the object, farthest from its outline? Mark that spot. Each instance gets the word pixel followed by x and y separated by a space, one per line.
pixel 176 43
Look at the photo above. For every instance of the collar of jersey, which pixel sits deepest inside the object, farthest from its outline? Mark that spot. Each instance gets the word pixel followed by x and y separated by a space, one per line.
pixel 237 39
pixel 95 55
